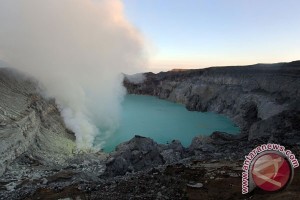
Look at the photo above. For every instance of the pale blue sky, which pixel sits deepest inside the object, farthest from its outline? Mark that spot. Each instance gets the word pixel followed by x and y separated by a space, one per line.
pixel 201 33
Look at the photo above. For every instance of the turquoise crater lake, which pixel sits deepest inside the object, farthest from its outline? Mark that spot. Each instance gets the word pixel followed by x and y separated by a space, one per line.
pixel 164 121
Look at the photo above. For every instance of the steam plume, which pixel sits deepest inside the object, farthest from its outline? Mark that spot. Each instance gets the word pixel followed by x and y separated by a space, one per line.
pixel 77 49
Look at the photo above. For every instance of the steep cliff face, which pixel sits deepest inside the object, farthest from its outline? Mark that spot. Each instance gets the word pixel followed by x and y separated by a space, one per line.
pixel 250 95
pixel 30 124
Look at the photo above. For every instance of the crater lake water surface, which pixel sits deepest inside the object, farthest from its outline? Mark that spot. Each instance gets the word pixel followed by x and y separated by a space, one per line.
pixel 164 121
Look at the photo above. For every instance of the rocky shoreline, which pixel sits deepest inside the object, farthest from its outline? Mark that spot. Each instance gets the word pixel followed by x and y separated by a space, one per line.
pixel 36 163
pixel 143 169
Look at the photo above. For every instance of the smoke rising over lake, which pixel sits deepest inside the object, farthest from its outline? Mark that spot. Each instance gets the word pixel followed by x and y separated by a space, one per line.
pixel 77 50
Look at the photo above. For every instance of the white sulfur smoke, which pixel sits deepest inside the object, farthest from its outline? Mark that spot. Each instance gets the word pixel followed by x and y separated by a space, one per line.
pixel 77 49
pixel 135 78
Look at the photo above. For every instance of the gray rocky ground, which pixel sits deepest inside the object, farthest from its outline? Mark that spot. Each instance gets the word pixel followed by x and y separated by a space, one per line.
pixel 38 158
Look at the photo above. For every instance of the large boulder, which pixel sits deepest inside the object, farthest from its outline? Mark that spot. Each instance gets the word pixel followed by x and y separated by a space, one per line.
pixel 142 153
pixel 202 144
pixel 173 152
pixel 137 154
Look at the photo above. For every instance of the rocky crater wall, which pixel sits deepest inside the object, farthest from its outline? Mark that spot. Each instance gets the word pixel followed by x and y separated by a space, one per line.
pixel 30 124
pixel 252 96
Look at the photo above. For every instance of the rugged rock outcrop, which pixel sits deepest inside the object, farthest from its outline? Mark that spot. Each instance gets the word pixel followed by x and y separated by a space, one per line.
pixel 142 153
pixel 252 96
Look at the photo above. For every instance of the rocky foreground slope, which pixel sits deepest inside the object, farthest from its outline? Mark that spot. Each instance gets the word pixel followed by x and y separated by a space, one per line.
pixel 38 158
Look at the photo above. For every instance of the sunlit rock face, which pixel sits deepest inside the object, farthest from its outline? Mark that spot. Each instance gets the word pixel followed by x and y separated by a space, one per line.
pixel 30 124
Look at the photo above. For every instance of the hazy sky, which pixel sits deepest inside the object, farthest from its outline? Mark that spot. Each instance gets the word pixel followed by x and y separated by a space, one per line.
pixel 199 33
